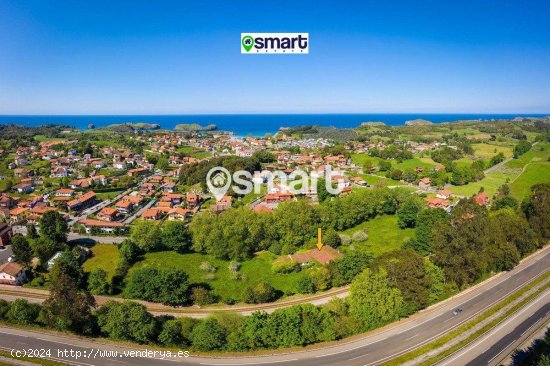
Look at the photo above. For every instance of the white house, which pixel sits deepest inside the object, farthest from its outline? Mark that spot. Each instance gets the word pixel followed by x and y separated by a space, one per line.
pixel 12 273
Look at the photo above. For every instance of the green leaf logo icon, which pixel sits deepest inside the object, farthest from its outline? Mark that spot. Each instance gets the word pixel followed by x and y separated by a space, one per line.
pixel 248 43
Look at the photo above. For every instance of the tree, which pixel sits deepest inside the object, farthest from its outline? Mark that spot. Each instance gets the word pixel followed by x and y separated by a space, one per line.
pixel 260 293
pixel 67 307
pixel 427 223
pixel 167 286
pixel 408 212
pixel 53 227
pixel 537 210
pixel 23 312
pixel 146 235
pixel 201 296
pixel 126 321
pixel 344 270
pixel 22 250
pixel 322 192
pixel 208 335
pixel 162 164
pixel 176 236
pixel 171 334
pixel 407 272
pixel 460 246
pixel 128 252
pixel 45 248
pixel 31 232
pixel 521 148
pixel 384 165
pixel 97 282
pixel 373 301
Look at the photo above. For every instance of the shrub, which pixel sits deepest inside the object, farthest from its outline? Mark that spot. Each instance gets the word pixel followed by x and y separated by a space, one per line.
pixel 260 293
pixel 201 296
pixel 207 267
pixel 23 312
pixel 286 266
pixel 359 236
pixel 345 239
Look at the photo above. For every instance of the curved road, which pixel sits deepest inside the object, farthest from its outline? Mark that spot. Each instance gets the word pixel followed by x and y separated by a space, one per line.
pixel 369 349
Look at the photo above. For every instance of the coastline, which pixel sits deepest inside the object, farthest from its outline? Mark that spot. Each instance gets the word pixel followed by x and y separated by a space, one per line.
pixel 250 124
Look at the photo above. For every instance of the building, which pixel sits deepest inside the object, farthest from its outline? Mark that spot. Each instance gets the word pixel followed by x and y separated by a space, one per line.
pixel 105 226
pixel 151 214
pixel 425 183
pixel 5 234
pixel 444 194
pixel 193 200
pixel 124 207
pixel 482 199
pixel 179 214
pixel 108 214
pixel 12 273
pixel 82 202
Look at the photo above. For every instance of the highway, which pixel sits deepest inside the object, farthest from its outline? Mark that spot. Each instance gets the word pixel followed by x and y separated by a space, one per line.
pixel 368 349
pixel 502 340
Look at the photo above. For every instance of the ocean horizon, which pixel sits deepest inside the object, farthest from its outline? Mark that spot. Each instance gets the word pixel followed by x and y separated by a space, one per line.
pixel 251 124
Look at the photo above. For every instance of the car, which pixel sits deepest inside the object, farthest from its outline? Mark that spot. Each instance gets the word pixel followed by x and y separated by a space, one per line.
pixel 11 258
pixel 457 311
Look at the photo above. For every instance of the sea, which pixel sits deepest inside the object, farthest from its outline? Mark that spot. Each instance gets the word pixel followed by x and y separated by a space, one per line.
pixel 248 124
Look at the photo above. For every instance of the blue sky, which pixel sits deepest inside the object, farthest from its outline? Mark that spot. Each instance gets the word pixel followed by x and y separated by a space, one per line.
pixel 182 57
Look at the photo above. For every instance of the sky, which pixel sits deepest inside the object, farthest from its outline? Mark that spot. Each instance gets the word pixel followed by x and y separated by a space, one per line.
pixel 183 57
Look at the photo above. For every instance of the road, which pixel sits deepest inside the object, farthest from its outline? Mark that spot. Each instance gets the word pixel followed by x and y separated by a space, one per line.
pixel 368 349
pixel 500 341
pixel 75 236
pixel 104 203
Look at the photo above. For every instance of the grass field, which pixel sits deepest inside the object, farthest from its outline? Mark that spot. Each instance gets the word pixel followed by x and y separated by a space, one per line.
pixel 413 163
pixel 104 256
pixel 383 235
pixel 255 270
pixel 487 151
pixel 374 179
pixel 108 195
pixel 42 138
pixel 531 168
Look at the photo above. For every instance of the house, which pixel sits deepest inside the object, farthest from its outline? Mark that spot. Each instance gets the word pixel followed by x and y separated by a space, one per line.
pixel 5 234
pixel 151 214
pixel 436 202
pixel 59 172
pixel 324 255
pixel 136 200
pixel 444 194
pixel 64 192
pixel 105 226
pixel 124 207
pixel 82 202
pixel 424 183
pixel 482 199
pixel 108 214
pixel 23 188
pixel 12 273
pixel 359 181
pixel 179 214
pixel 275 198
pixel 223 204
pixel 18 215
pixel 193 200
pixel 6 201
